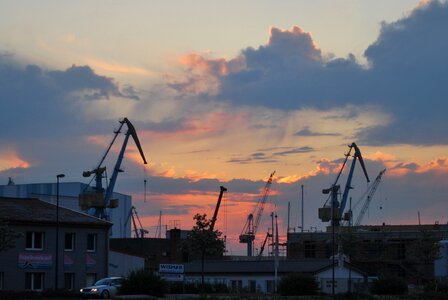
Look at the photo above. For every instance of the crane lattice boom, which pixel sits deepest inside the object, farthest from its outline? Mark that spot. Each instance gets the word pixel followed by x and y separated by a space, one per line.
pixel 371 192
pixel 253 220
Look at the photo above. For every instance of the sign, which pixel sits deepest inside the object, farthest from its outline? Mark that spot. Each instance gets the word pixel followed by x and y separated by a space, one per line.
pixel 35 260
pixel 170 268
pixel 172 277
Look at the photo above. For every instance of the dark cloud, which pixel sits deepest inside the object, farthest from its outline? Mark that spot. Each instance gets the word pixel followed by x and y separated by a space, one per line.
pixel 307 132
pixel 41 102
pixel 406 77
pixel 304 149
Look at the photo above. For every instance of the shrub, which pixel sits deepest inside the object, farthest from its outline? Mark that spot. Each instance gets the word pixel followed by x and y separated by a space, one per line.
pixel 143 282
pixel 389 286
pixel 298 284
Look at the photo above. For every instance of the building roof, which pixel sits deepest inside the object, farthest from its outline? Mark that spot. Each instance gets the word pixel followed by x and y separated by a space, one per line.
pixel 258 266
pixel 30 210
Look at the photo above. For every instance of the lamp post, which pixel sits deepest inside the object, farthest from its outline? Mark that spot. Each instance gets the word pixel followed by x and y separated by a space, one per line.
pixel 57 232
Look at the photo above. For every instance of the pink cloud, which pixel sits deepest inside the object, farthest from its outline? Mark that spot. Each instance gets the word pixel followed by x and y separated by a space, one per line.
pixel 10 159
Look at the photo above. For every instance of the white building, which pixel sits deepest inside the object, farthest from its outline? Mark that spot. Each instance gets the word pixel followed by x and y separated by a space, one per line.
pixel 259 275
pixel 68 197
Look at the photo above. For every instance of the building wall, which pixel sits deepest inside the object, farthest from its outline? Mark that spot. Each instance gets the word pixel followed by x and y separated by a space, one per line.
pixel 68 197
pixel 15 263
pixel 238 283
pixel 345 280
pixel 441 264
pixel 121 264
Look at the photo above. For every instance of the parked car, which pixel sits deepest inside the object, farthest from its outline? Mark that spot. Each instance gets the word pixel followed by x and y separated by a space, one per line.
pixel 103 288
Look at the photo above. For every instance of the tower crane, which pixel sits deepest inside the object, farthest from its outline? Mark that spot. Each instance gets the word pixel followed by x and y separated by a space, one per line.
pixel 247 236
pixel 99 199
pixel 215 214
pixel 335 210
pixel 370 192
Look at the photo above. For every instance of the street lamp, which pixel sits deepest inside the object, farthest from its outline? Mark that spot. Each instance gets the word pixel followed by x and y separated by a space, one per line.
pixel 57 232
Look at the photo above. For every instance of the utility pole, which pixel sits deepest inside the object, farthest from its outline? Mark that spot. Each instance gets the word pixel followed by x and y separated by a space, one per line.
pixel 302 210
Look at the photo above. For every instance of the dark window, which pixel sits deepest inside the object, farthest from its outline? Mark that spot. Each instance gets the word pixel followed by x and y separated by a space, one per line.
pixel 2 277
pixel 252 286
pixel 34 240
pixel 310 249
pixel 69 244
pixel 91 242
pixel 34 281
pixel 69 281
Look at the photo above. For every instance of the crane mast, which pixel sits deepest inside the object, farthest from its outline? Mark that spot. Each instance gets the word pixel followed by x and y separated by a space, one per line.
pixel 247 236
pixel 101 198
pixel 369 198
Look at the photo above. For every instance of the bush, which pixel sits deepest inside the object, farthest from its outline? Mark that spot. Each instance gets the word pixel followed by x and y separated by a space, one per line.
pixel 439 287
pixel 143 282
pixel 389 286
pixel 298 284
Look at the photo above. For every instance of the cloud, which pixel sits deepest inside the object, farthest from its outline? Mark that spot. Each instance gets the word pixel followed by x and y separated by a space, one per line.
pixel 405 77
pixel 304 149
pixel 307 132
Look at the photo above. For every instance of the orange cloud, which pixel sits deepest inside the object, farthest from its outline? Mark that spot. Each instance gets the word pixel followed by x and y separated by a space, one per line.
pixel 10 159
pixel 209 123
pixel 439 165
pixel 119 69
pixel 381 156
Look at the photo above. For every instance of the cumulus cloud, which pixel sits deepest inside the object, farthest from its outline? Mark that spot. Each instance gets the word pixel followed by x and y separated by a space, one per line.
pixel 405 77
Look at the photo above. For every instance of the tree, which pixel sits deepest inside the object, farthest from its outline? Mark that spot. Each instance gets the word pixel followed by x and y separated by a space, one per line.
pixel 143 282
pixel 298 284
pixel 7 236
pixel 202 241
pixel 389 286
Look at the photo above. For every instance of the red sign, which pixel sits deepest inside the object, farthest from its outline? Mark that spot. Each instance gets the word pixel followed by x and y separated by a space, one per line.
pixel 35 260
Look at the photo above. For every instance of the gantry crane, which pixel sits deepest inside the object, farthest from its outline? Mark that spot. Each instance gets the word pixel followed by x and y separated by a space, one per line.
pixel 335 210
pixel 247 236
pixel 99 199
pixel 139 232
pixel 215 215
pixel 370 192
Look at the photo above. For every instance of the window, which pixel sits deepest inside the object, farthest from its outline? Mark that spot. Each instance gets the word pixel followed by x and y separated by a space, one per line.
pixel 310 249
pixel 90 279
pixel 34 281
pixel 91 242
pixel 34 241
pixel 2 276
pixel 270 286
pixel 69 281
pixel 69 243
pixel 252 286
pixel 236 285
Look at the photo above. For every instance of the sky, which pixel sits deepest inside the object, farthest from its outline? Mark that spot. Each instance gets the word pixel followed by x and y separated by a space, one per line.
pixel 225 93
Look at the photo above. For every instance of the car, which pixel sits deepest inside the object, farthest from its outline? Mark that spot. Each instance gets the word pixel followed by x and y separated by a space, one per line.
pixel 103 288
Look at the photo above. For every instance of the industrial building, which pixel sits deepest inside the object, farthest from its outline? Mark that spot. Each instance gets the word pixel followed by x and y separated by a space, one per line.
pixel 69 197
pixel 56 247
pixel 406 251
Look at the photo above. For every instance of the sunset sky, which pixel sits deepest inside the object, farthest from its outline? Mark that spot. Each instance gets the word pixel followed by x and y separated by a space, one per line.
pixel 226 92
